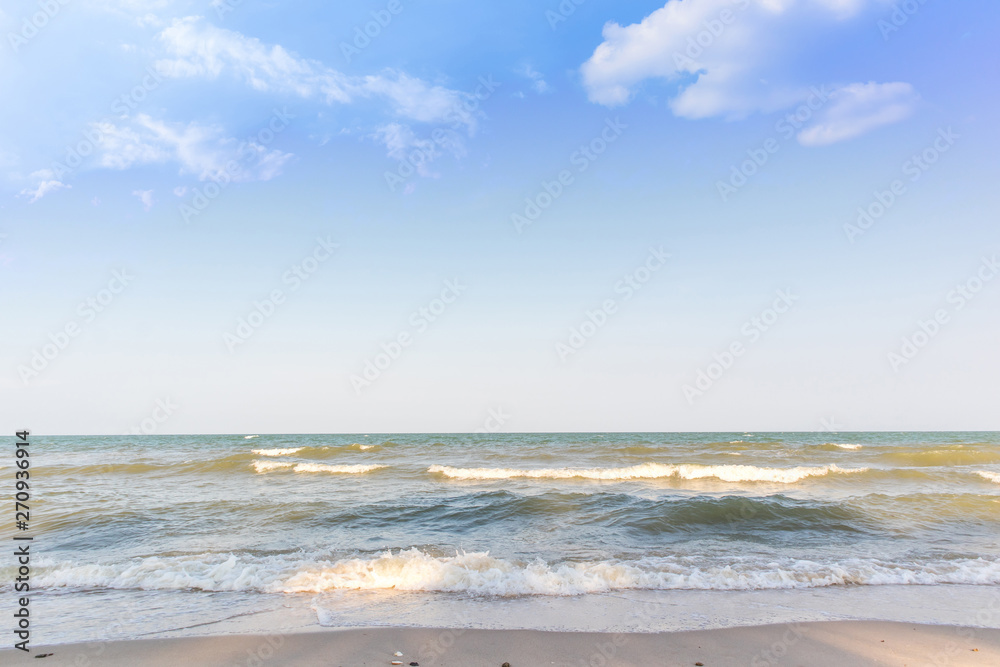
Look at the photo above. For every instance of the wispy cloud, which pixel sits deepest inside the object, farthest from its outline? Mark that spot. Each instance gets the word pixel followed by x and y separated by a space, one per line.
pixel 538 83
pixel 202 150
pixel 146 197
pixel 45 184
pixel 199 49
pixel 727 58
pixel 858 108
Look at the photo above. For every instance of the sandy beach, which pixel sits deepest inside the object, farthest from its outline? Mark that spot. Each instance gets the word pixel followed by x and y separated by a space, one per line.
pixel 833 644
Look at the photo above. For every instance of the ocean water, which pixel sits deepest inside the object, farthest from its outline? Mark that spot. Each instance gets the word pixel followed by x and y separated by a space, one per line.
pixel 138 536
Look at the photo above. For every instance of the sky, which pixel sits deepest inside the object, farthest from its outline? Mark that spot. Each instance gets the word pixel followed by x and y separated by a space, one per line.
pixel 237 216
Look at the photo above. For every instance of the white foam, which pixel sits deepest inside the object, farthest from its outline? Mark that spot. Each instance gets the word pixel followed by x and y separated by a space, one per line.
pixel 992 476
pixel 726 473
pixel 268 466
pixel 482 574
pixel 248 437
pixel 847 446
pixel 265 466
pixel 288 451
pixel 346 469
pixel 363 447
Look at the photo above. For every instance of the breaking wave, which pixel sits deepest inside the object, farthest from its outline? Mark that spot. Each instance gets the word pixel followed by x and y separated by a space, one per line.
pixel 287 451
pixel 484 575
pixel 726 473
pixel 991 476
pixel 268 466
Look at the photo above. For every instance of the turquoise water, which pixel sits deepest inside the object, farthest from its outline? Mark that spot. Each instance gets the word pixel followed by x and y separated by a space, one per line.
pixel 232 523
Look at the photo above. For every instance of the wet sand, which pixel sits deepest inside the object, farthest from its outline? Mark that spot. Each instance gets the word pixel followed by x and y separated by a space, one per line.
pixel 824 644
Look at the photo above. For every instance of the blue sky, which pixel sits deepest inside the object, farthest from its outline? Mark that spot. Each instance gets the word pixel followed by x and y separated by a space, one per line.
pixel 494 183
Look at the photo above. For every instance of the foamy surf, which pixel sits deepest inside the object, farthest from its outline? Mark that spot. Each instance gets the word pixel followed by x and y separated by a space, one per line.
pixel 991 476
pixel 287 451
pixel 484 575
pixel 269 466
pixel 725 473
pixel 250 437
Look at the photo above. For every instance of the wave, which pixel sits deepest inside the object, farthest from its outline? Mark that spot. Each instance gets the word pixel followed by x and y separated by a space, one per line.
pixel 620 517
pixel 953 456
pixel 268 466
pixel 481 574
pixel 726 473
pixel 287 451
pixel 249 437
pixel 991 476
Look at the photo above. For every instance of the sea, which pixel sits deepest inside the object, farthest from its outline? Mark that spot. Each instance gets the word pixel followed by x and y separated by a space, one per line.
pixel 160 536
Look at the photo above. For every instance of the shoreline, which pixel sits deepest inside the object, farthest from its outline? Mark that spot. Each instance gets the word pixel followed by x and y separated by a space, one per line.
pixel 817 644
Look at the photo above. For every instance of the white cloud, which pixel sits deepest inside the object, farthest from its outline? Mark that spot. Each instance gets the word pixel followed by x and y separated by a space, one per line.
pixel 403 145
pixel 146 197
pixel 200 150
pixel 198 49
pixel 726 58
pixel 858 108
pixel 401 142
pixel 46 184
pixel 538 83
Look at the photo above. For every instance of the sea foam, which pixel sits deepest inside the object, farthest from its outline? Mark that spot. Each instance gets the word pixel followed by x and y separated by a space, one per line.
pixel 992 476
pixel 726 473
pixel 268 466
pixel 277 452
pixel 481 574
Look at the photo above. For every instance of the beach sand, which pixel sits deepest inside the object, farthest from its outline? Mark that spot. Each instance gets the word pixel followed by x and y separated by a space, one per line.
pixel 833 644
